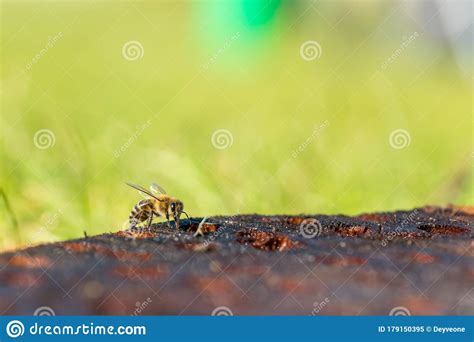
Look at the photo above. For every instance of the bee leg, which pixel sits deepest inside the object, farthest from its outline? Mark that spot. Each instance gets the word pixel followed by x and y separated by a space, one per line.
pixel 150 219
pixel 133 224
pixel 168 220
pixel 177 222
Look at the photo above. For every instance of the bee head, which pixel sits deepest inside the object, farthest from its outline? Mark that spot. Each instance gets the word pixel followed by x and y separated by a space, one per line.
pixel 177 208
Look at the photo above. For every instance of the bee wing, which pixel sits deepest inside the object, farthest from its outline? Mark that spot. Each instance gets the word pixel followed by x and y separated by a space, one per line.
pixel 145 191
pixel 157 189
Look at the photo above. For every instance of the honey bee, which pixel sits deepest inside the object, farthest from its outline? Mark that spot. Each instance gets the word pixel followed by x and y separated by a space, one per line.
pixel 158 204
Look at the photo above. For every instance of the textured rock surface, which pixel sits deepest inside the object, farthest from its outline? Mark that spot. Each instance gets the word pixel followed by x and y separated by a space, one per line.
pixel 419 260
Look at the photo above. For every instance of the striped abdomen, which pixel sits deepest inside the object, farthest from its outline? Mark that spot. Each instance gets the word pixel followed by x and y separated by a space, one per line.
pixel 141 211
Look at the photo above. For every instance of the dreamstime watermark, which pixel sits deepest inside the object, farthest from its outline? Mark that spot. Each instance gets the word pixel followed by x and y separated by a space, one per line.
pixel 316 132
pixel 400 311
pixel 399 139
pixel 138 131
pixel 310 228
pixel 50 222
pixel 52 41
pixel 212 236
pixel 141 306
pixel 406 42
pixel 44 139
pixel 392 234
pixel 133 50
pixel 227 44
pixel 222 311
pixel 222 139
pixel 44 311
pixel 318 307
pixel 310 50
pixel 16 328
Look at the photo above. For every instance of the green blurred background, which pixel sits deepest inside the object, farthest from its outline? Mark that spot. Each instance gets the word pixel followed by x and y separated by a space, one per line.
pixel 300 134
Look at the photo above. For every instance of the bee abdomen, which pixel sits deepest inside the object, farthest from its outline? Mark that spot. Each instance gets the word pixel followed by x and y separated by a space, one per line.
pixel 140 212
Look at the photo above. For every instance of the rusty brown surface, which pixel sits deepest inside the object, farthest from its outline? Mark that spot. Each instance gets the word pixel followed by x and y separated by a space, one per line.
pixel 422 260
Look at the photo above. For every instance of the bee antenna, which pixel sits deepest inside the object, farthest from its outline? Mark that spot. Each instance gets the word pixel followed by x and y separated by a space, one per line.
pixel 185 213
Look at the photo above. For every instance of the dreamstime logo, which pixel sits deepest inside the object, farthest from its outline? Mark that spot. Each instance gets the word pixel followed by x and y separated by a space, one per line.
pixel 222 311
pixel 399 139
pixel 310 50
pixel 44 139
pixel 44 311
pixel 400 311
pixel 132 50
pixel 15 328
pixel 310 228
pixel 222 139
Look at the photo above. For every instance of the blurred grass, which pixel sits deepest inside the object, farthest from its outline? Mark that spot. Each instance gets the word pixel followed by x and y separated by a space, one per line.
pixel 191 81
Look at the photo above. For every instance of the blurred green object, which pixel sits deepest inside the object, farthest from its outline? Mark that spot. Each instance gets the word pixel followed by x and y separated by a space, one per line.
pixel 259 12
pixel 233 107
